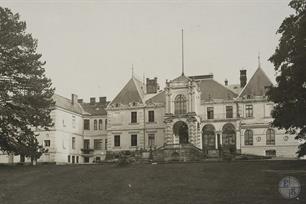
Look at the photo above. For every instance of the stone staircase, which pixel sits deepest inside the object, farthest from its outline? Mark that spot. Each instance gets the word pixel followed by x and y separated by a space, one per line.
pixel 177 152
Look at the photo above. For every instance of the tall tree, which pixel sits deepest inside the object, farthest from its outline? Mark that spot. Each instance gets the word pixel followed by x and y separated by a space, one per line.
pixel 25 92
pixel 289 62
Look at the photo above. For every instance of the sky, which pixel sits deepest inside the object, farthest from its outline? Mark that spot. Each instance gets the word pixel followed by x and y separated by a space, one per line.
pixel 90 46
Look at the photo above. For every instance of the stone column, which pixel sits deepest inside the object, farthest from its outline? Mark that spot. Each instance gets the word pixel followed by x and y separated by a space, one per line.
pixel 169 134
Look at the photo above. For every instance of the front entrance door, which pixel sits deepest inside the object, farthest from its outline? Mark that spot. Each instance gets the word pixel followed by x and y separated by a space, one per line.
pixel 180 129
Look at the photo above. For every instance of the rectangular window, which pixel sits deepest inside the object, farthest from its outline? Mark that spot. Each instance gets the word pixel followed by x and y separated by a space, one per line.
pixel 133 140
pixel 86 159
pixel 105 144
pixel 47 143
pixel 73 159
pixel 133 117
pixel 86 144
pixel 249 111
pixel 229 111
pixel 73 143
pixel 86 124
pixel 105 124
pixel 73 122
pixel 77 159
pixel 117 140
pixel 210 112
pixel 151 140
pixel 98 144
pixel 151 116
pixel 68 158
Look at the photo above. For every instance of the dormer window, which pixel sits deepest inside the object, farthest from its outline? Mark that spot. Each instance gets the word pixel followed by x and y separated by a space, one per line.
pixel 117 105
pixel 134 103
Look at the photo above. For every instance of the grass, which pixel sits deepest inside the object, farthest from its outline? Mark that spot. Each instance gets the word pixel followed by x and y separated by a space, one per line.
pixel 208 182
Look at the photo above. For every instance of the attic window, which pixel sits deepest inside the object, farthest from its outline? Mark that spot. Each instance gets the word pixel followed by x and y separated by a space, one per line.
pixel 248 96
pixel 134 103
pixel 117 104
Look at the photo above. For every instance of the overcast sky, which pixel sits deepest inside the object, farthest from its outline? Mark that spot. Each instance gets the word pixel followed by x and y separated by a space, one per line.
pixel 90 46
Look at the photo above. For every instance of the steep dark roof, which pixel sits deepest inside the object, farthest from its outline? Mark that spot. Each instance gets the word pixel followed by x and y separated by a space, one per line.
pixel 158 98
pixel 94 109
pixel 257 84
pixel 236 88
pixel 133 91
pixel 66 104
pixel 210 89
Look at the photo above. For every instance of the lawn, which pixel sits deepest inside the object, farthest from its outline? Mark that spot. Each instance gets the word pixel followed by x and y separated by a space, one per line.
pixel 206 182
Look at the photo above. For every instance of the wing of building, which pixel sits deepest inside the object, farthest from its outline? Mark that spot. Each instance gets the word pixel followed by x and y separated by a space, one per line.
pixel 191 111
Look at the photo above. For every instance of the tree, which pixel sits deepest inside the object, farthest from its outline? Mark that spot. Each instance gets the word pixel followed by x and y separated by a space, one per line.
pixel 289 61
pixel 25 92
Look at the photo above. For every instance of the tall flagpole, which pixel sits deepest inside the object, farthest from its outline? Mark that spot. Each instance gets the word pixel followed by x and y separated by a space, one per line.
pixel 182 52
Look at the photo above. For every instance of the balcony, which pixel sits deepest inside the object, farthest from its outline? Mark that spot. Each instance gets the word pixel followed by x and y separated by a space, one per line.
pixel 87 151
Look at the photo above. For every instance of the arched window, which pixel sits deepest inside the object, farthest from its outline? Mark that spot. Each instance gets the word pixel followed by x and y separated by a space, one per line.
pixel 270 137
pixel 100 124
pixel 95 124
pixel 248 137
pixel 180 104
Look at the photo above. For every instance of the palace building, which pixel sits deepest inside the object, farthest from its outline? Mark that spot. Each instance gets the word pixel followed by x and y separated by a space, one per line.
pixel 190 112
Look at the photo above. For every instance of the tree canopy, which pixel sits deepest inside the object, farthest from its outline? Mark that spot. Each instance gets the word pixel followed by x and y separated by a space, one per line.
pixel 25 91
pixel 289 62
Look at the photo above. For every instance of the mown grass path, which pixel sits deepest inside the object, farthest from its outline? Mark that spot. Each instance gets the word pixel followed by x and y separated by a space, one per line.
pixel 208 182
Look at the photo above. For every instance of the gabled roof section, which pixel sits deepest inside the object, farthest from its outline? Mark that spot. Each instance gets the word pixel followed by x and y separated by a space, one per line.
pixel 159 98
pixel 257 84
pixel 236 88
pixel 94 109
pixel 210 90
pixel 181 78
pixel 66 104
pixel 133 91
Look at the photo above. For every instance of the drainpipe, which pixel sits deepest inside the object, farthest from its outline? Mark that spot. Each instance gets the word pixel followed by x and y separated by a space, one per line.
pixel 144 127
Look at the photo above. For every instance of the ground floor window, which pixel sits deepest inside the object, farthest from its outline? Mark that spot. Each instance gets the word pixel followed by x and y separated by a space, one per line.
pixel 68 158
pixel 98 159
pixel 77 159
pixel 271 153
pixel 151 141
pixel 73 159
pixel 133 140
pixel 248 137
pixel 86 159
pixel 117 140
pixel 47 143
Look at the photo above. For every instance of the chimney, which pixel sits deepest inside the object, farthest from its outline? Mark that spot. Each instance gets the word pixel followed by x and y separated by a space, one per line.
pixel 225 82
pixel 152 85
pixel 74 99
pixel 243 78
pixel 102 100
pixel 92 100
pixel 80 100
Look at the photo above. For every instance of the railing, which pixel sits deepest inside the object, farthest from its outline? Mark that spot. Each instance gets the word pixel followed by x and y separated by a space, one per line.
pixel 87 151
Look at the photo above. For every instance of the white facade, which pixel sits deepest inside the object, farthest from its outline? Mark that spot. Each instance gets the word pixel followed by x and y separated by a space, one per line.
pixel 195 110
